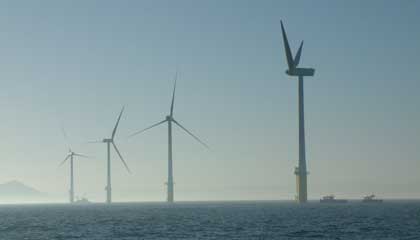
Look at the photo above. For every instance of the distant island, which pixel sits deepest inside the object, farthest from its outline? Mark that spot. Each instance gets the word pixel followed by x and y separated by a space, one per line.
pixel 17 192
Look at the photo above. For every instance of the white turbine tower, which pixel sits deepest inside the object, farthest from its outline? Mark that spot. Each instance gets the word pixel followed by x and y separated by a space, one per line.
pixel 293 70
pixel 170 119
pixel 109 142
pixel 71 156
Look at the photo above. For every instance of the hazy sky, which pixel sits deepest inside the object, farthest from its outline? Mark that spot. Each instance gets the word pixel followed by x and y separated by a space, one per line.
pixel 75 63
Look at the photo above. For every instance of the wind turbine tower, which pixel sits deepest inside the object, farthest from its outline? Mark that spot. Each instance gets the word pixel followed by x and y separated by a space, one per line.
pixel 293 70
pixel 170 119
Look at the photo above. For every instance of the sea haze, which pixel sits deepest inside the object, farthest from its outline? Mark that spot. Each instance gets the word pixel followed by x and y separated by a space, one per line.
pixel 212 220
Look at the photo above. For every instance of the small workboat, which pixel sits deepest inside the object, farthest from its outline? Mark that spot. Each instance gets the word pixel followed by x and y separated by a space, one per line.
pixel 82 200
pixel 331 199
pixel 371 199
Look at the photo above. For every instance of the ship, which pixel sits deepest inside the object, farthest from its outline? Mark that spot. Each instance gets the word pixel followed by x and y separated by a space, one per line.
pixel 82 201
pixel 331 199
pixel 371 199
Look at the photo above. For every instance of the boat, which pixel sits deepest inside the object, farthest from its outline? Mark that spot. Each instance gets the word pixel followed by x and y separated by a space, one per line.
pixel 371 199
pixel 82 200
pixel 331 199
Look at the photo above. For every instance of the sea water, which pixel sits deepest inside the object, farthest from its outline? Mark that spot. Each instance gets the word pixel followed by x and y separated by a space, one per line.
pixel 212 220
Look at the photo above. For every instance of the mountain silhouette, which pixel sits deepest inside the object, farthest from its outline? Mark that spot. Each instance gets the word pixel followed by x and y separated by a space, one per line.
pixel 17 191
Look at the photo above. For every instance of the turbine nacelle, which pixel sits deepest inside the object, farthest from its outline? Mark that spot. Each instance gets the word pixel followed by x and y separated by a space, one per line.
pixel 301 72
pixel 107 140
pixel 168 118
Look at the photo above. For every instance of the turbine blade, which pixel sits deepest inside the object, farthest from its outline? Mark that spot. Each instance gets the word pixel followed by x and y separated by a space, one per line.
pixel 122 159
pixel 298 53
pixel 173 95
pixel 65 160
pixel 66 138
pixel 287 48
pixel 143 130
pixel 116 125
pixel 81 155
pixel 192 135
pixel 64 132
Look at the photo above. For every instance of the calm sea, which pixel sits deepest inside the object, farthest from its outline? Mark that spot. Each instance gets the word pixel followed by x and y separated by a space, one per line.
pixel 216 220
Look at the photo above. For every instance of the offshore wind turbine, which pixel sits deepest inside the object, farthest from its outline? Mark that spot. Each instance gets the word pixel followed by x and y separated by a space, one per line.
pixel 109 142
pixel 293 70
pixel 170 119
pixel 71 156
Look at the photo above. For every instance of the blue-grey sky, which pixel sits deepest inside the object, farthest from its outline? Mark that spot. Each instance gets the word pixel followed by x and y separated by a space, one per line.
pixel 76 63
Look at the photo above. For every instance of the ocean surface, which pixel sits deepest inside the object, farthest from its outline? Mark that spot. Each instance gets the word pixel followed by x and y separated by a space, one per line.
pixel 212 220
